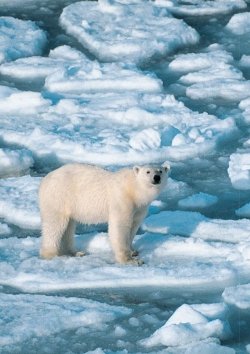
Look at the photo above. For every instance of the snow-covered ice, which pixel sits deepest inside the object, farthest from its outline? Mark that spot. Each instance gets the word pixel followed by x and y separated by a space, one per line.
pixel 239 24
pixel 18 201
pixel 20 39
pixel 202 7
pixel 133 31
pixel 14 162
pixel 238 296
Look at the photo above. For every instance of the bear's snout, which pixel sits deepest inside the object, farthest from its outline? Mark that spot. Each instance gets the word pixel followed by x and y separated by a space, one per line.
pixel 157 179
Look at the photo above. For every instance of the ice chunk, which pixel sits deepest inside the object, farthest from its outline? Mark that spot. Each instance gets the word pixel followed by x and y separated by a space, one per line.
pixel 14 162
pixel 202 7
pixel 244 211
pixel 20 39
pixel 29 316
pixel 189 324
pixel 198 201
pixel 238 296
pixel 18 201
pixel 213 55
pixel 239 24
pixel 126 31
pixel 196 225
pixel 239 169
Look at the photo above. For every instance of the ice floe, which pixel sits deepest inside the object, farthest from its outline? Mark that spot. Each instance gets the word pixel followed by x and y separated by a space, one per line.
pixel 133 31
pixel 239 24
pixel 4 229
pixel 239 169
pixel 244 211
pixel 22 268
pixel 20 39
pixel 188 223
pixel 198 201
pixel 238 296
pixel 210 75
pixel 191 323
pixel 67 70
pixel 97 128
pixel 202 7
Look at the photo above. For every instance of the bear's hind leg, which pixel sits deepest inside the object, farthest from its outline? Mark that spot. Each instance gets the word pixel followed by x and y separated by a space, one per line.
pixel 67 245
pixel 53 228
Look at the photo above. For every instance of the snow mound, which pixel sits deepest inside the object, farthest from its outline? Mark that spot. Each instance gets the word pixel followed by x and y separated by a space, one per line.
pixel 190 324
pixel 198 201
pixel 187 223
pixel 202 7
pixel 126 31
pixel 20 39
pixel 29 316
pixel 238 296
pixel 18 201
pixel 14 162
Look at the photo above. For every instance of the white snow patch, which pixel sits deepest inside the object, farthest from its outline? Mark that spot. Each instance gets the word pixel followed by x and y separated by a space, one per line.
pixel 244 211
pixel 20 39
pixel 126 31
pixel 4 229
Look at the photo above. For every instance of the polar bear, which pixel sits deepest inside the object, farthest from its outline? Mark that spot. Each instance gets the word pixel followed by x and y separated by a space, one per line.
pixel 92 195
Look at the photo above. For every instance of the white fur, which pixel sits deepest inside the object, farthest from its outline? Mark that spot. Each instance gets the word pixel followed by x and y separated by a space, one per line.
pixel 91 195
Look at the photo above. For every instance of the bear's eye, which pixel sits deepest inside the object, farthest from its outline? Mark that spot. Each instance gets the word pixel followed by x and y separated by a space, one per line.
pixel 148 172
pixel 160 171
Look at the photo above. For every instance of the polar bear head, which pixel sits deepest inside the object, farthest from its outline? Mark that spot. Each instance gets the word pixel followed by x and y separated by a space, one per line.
pixel 152 175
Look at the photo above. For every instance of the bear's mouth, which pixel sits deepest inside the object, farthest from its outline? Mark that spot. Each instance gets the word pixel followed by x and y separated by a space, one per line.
pixel 156 182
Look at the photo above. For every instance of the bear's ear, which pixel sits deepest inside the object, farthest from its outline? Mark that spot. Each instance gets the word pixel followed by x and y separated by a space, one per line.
pixel 136 169
pixel 166 167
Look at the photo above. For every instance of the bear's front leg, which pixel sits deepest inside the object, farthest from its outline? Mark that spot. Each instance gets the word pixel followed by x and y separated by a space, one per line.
pixel 139 215
pixel 120 224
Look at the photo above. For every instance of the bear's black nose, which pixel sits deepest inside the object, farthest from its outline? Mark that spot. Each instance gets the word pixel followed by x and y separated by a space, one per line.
pixel 157 179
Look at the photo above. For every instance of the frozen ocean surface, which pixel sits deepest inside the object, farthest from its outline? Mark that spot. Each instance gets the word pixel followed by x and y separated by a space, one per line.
pixel 118 83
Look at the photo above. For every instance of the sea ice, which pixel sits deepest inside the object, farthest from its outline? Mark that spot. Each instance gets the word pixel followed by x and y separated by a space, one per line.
pixel 188 223
pixel 202 7
pixel 67 70
pixel 29 316
pixel 239 169
pixel 198 201
pixel 239 24
pixel 210 74
pixel 189 324
pixel 18 201
pixel 97 128
pixel 238 296
pixel 14 162
pixel 22 269
pixel 20 39
pixel 126 31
